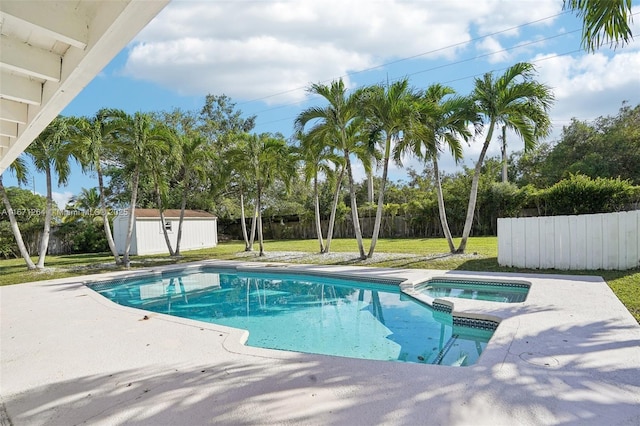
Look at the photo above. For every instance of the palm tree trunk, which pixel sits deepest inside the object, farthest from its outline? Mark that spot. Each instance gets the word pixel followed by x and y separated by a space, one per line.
pixel 44 241
pixel 162 222
pixel 183 206
pixel 243 223
pixel 317 213
pixel 505 177
pixel 354 206
pixel 473 196
pixel 370 186
pixel 105 216
pixel 254 221
pixel 334 207
pixel 15 228
pixel 385 171
pixel 132 209
pixel 441 209
pixel 259 209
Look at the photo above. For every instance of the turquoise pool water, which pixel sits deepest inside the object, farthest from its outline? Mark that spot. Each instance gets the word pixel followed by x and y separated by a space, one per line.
pixel 479 290
pixel 308 314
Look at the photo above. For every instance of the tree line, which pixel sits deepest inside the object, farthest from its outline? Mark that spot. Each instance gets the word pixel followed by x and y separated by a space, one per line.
pixel 210 160
pixel 195 152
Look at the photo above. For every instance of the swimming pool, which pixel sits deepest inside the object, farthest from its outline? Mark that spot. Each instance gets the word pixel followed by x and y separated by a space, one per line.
pixel 505 292
pixel 310 314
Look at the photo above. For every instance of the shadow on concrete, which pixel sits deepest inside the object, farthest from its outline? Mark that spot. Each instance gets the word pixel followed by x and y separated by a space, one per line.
pixel 583 388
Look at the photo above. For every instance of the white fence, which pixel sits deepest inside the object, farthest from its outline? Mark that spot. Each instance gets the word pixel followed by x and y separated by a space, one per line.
pixel 594 241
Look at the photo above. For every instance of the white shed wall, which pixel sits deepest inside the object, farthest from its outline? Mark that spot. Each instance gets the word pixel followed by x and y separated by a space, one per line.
pixel 148 237
pixel 196 234
pixel 597 241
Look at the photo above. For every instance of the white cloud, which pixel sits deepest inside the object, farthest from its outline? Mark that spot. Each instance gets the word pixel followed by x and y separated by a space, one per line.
pixel 250 50
pixel 496 15
pixel 494 50
pixel 591 85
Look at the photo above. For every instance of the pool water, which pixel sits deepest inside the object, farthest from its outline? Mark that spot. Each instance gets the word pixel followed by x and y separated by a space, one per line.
pixel 308 314
pixel 494 292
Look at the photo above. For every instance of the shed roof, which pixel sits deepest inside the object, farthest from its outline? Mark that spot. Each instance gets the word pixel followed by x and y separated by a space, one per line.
pixel 173 214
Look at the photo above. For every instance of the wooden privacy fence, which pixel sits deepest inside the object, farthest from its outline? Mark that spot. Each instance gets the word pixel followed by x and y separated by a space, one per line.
pixel 594 241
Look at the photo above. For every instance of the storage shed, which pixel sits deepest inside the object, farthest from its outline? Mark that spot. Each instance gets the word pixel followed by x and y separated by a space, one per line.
pixel 199 230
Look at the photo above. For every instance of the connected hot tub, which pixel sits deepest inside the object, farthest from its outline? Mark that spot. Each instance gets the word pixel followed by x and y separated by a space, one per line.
pixel 493 291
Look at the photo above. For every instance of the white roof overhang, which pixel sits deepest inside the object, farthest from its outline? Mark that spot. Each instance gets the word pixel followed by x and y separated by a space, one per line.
pixel 49 51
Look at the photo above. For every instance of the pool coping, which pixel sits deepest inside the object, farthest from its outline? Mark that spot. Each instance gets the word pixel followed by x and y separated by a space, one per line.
pixel 571 339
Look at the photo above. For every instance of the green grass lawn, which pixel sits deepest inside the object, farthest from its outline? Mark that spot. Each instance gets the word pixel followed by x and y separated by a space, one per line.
pixel 482 254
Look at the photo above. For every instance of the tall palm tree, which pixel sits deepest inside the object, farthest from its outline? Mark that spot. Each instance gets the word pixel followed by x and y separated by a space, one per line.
pixel 604 21
pixel 19 168
pixel 445 120
pixel 161 162
pixel 195 157
pixel 50 153
pixel 271 160
pixel 96 134
pixel 337 122
pixel 514 100
pixel 391 112
pixel 316 156
pixel 236 166
pixel 138 135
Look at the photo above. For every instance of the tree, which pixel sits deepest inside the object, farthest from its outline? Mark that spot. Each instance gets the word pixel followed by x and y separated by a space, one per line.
pixel 96 134
pixel 607 147
pixel 339 122
pixel 196 156
pixel 241 175
pixel 219 118
pixel 604 21
pixel 391 113
pixel 50 153
pixel 162 162
pixel 19 168
pixel 137 135
pixel 516 101
pixel 445 119
pixel 270 160
pixel 316 155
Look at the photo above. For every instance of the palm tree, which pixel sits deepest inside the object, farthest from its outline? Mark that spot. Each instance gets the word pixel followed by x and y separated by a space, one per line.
pixel 516 101
pixel 50 153
pixel 96 134
pixel 391 112
pixel 195 155
pixel 270 159
pixel 445 119
pixel 19 168
pixel 161 161
pixel 138 135
pixel 87 201
pixel 338 122
pixel 604 21
pixel 316 155
pixel 241 175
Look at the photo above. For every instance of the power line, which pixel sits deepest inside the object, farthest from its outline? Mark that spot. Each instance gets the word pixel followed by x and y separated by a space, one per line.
pixel 440 49
pixel 448 81
pixel 449 64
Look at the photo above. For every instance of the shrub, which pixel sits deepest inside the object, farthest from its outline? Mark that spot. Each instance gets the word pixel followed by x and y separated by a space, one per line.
pixel 580 194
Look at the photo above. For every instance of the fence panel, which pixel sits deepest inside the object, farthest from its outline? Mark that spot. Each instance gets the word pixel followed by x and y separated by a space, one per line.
pixel 597 241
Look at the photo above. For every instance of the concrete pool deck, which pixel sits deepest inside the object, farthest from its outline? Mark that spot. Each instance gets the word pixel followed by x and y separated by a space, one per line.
pixel 569 354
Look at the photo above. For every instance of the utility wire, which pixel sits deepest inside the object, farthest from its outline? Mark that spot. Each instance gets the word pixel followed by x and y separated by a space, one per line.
pixel 440 49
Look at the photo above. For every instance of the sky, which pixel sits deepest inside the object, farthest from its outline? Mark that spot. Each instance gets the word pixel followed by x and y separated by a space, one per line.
pixel 265 53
